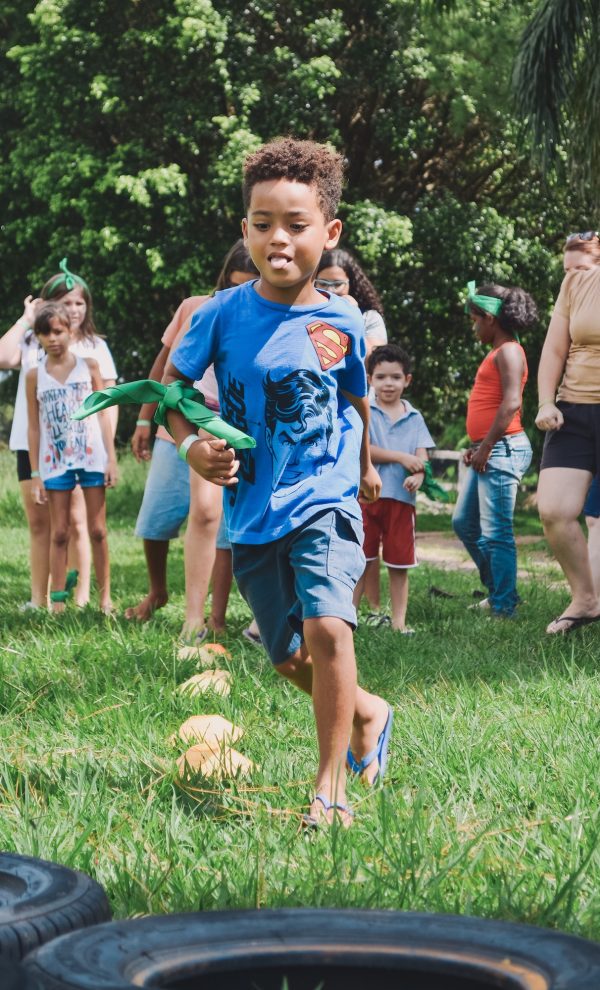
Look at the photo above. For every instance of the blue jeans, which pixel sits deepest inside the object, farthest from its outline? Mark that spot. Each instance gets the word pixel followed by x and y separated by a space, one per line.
pixel 483 519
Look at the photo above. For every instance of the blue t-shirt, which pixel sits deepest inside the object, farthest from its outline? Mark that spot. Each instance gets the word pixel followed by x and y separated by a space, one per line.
pixel 407 434
pixel 280 370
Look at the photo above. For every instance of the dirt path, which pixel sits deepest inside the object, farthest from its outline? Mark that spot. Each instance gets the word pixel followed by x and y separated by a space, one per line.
pixel 443 550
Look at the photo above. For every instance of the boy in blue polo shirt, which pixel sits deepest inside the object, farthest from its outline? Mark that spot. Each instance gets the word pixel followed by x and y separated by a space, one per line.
pixel 289 364
pixel 399 443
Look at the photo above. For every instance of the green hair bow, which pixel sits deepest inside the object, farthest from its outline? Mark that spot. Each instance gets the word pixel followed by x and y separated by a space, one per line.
pixel 70 280
pixel 490 304
pixel 179 396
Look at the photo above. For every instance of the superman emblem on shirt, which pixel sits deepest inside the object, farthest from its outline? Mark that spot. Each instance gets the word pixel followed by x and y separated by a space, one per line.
pixel 332 345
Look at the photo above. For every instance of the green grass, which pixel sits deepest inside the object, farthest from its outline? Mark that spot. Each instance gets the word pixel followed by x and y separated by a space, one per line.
pixel 491 801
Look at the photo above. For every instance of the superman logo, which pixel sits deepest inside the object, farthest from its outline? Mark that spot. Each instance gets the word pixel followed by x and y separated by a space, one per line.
pixel 331 345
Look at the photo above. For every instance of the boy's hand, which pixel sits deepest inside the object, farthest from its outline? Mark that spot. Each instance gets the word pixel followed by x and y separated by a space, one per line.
pixel 411 462
pixel 38 492
pixel 111 475
pixel 140 443
pixel 216 462
pixel 370 485
pixel 414 481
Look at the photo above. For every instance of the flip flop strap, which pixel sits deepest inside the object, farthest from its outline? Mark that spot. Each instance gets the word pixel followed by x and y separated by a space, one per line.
pixel 328 805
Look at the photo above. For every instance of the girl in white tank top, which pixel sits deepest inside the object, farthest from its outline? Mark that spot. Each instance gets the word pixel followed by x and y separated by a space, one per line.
pixel 65 452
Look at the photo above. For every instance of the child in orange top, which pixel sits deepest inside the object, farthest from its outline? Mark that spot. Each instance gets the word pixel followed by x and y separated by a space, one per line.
pixel 500 452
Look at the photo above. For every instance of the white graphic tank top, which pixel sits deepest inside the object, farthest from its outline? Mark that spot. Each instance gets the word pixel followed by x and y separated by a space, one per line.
pixel 66 443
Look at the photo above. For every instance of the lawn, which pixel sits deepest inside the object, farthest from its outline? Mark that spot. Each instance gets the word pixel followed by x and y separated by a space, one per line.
pixel 491 801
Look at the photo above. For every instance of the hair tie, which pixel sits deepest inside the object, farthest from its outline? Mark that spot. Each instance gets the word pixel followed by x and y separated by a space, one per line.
pixel 490 304
pixel 70 280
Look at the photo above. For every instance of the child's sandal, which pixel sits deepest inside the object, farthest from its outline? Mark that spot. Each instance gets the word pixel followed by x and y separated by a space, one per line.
pixel 63 596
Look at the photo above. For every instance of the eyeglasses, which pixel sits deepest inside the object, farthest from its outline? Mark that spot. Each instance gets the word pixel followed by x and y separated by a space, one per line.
pixel 331 283
pixel 587 235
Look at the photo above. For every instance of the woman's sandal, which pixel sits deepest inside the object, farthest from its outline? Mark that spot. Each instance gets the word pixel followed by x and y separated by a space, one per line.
pixel 315 821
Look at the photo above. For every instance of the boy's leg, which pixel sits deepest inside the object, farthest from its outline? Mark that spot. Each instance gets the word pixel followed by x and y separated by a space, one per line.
pixel 79 554
pixel 200 548
pixel 164 508
pixel 59 504
pixel 399 596
pixel 95 501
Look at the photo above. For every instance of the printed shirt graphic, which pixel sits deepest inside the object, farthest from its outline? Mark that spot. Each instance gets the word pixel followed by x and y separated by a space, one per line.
pixel 67 443
pixel 280 371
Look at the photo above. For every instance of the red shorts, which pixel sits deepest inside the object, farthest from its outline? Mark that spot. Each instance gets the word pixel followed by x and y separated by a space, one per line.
pixel 391 523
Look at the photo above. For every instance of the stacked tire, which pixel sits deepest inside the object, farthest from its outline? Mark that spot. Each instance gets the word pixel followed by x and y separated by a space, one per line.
pixel 40 900
pixel 336 950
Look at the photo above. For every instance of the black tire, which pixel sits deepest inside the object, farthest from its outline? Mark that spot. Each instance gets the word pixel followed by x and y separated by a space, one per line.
pixel 239 950
pixel 40 900
pixel 14 977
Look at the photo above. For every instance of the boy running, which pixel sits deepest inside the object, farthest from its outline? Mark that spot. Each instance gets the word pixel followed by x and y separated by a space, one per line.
pixel 399 443
pixel 289 363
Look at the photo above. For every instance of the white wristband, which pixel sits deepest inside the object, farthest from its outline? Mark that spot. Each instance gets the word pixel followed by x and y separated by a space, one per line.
pixel 185 445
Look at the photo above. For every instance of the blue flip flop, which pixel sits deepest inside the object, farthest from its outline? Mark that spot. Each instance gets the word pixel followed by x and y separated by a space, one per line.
pixel 380 752
pixel 310 821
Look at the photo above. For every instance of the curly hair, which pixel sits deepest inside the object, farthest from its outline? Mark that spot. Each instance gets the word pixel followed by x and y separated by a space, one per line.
pixel 50 311
pixel 300 161
pixel 55 289
pixel 518 312
pixel 360 288
pixel 389 352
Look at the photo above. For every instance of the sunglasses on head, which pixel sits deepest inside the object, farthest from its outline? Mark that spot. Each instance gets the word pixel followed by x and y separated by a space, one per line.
pixel 586 235
pixel 331 283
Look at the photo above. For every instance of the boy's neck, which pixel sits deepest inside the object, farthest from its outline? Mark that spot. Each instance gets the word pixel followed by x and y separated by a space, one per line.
pixel 303 294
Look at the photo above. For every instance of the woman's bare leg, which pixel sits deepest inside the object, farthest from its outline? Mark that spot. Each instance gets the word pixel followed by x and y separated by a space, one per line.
pixel 561 495
pixel 38 520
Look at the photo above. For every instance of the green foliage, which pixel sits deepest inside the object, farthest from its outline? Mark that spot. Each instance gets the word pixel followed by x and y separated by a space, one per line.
pixel 125 126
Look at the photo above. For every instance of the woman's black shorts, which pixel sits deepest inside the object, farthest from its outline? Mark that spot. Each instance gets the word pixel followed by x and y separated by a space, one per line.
pixel 577 443
pixel 23 465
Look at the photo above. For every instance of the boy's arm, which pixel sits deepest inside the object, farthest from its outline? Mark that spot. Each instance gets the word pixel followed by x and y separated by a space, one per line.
pixel 412 462
pixel 415 480
pixel 370 482
pixel 38 492
pixel 106 429
pixel 211 459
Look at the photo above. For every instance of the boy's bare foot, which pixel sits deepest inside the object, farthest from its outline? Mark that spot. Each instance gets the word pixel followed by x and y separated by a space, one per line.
pixel 365 736
pixel 146 608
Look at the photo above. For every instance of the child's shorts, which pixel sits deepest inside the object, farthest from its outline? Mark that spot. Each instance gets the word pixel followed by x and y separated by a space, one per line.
pixel 391 523
pixel 223 541
pixel 75 476
pixel 166 502
pixel 308 573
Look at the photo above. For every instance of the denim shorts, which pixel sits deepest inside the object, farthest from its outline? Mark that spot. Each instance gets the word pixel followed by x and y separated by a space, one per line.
pixel 308 573
pixel 75 476
pixel 223 541
pixel 166 502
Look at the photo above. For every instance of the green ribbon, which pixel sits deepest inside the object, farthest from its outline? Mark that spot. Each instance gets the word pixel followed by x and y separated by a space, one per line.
pixel 490 304
pixel 70 279
pixel 178 396
pixel 63 596
pixel 432 488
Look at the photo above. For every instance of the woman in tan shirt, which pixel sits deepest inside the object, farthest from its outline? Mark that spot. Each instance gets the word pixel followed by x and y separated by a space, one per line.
pixel 571 417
